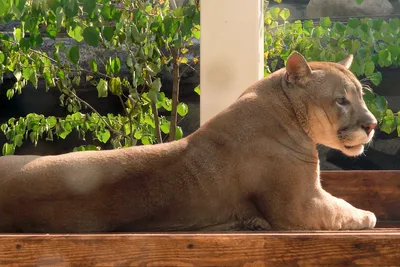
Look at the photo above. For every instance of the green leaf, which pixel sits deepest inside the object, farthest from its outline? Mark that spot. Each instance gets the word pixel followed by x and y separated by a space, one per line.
pixel 71 8
pixel 285 14
pixel 116 65
pixel 325 22
pixel 115 86
pixel 51 31
pixel 19 7
pixel 381 103
pixel 76 33
pixel 8 149
pixel 178 133
pixel 18 140
pixel 73 54
pixel 89 6
pixel 102 88
pixel 136 35
pixel 129 62
pixel 4 127
pixel 29 73
pixel 60 17
pixel 184 60
pixel 388 124
pixel 153 68
pixel 165 126
pixel 167 104
pixel 91 36
pixel 18 34
pixel 394 50
pixel 197 89
pixel 182 109
pixel 17 75
pixel 353 23
pixel 35 40
pixel 2 57
pixel 274 11
pixel 108 33
pixel 10 93
pixel 146 140
pixel 196 33
pixel 355 45
pixel 359 1
pixel 375 78
pixel 103 135
pixel 93 65
pixel 368 96
pixel 156 85
pixel 369 68
pixel 339 27
pixel 153 95
pixel 52 121
pixel 187 26
pixel 394 24
pixel 377 24
pixel 63 129
pixel 308 25
pixel 385 58
pixel 106 12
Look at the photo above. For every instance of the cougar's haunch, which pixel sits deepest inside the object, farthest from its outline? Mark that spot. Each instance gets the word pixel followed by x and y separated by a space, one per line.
pixel 254 166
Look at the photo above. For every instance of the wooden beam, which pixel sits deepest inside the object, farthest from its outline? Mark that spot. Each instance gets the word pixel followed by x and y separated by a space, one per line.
pixel 377 191
pixel 372 248
pixel 374 190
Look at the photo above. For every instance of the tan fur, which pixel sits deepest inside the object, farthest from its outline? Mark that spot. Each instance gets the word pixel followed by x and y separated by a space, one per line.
pixel 253 166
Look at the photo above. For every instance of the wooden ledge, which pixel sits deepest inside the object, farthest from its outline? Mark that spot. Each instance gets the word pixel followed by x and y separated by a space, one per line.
pixel 373 248
pixel 378 191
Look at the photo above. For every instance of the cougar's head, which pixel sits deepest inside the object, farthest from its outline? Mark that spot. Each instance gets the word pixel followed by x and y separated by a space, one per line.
pixel 328 100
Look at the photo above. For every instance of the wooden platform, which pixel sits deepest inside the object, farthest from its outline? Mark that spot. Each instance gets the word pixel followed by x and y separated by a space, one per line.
pixel 373 190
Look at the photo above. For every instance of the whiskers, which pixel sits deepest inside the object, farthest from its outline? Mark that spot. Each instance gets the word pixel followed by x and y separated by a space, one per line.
pixel 367 145
pixel 365 86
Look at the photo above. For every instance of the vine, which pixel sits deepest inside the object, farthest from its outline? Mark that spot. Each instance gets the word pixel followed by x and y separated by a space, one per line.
pixel 375 43
pixel 149 37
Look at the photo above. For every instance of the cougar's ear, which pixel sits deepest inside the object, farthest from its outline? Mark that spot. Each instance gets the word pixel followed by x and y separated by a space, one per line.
pixel 347 61
pixel 296 67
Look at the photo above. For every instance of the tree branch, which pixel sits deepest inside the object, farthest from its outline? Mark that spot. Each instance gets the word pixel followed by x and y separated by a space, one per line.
pixel 175 92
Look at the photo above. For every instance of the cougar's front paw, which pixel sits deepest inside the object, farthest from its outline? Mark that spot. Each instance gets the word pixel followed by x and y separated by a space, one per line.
pixel 358 220
pixel 368 219
pixel 256 224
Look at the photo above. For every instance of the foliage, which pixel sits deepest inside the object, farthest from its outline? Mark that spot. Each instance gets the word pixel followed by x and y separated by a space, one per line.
pixel 375 43
pixel 152 37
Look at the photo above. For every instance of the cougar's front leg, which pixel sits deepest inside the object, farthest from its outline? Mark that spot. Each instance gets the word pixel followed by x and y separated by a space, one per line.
pixel 327 212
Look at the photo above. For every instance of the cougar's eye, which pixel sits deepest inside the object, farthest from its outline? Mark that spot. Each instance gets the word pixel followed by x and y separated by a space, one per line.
pixel 342 101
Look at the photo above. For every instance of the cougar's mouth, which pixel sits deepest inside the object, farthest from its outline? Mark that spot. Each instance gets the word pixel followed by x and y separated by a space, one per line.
pixel 350 147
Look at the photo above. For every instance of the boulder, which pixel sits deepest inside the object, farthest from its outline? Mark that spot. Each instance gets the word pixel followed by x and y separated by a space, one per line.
pixel 334 8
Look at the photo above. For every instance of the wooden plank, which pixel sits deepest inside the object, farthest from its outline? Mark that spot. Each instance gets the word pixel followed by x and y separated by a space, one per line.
pixel 369 248
pixel 377 191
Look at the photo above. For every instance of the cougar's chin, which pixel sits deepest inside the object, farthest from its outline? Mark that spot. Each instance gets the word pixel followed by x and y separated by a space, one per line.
pixel 353 150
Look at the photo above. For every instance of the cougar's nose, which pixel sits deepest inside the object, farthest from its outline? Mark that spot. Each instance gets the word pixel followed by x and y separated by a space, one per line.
pixel 368 127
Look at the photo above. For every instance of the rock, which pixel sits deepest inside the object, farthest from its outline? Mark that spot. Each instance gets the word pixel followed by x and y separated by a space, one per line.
pixel 331 8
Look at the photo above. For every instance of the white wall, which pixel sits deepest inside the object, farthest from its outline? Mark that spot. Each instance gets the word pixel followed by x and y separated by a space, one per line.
pixel 231 50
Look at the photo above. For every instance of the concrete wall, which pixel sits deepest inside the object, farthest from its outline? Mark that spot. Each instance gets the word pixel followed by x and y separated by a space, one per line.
pixel 231 48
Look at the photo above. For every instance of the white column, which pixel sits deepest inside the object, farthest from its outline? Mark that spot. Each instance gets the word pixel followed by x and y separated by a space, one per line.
pixel 231 51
